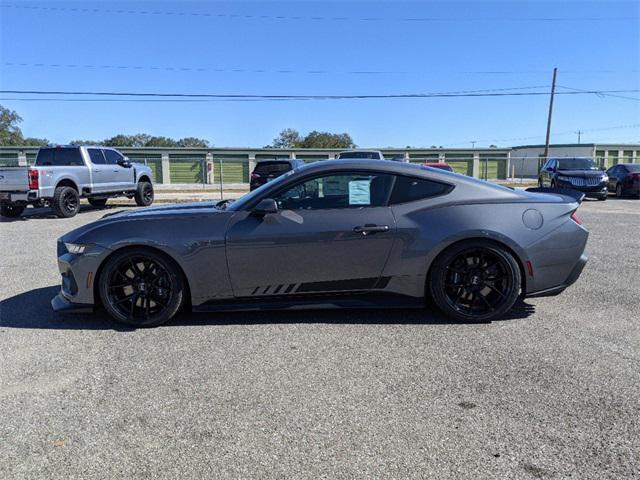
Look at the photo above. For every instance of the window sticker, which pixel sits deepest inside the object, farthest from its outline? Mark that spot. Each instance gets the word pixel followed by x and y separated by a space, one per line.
pixel 359 192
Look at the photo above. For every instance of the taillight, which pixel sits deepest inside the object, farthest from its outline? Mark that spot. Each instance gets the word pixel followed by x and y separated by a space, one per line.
pixel 576 218
pixel 34 182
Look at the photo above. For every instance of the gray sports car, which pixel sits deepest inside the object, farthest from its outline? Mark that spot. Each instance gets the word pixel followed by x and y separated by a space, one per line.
pixel 342 233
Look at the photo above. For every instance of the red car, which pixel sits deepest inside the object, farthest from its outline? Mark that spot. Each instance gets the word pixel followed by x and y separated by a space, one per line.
pixel 441 166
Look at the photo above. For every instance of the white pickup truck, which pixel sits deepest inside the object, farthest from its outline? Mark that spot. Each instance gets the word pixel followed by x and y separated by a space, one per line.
pixel 62 175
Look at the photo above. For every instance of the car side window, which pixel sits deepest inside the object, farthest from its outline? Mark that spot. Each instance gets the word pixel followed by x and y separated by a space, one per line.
pixel 410 189
pixel 95 154
pixel 338 190
pixel 112 156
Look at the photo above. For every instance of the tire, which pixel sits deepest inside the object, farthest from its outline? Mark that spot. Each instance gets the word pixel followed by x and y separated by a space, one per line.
pixel 66 202
pixel 619 192
pixel 602 198
pixel 134 279
pixel 488 276
pixel 144 194
pixel 97 202
pixel 11 210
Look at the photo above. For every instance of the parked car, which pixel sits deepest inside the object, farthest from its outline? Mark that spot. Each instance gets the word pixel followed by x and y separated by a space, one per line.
pixel 267 170
pixel 577 173
pixel 360 154
pixel 624 179
pixel 441 166
pixel 352 233
pixel 62 175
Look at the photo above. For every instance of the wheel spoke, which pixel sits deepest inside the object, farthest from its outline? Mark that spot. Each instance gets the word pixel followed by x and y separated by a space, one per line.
pixel 487 302
pixel 496 290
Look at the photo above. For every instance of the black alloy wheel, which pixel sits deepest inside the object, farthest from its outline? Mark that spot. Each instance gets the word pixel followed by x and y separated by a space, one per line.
pixel 144 194
pixel 141 288
pixel 11 210
pixel 66 202
pixel 475 282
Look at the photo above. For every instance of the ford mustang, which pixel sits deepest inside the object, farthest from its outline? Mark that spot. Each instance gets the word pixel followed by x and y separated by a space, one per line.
pixel 332 234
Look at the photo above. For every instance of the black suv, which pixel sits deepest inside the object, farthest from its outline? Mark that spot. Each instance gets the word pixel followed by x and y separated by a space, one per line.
pixel 267 170
pixel 577 173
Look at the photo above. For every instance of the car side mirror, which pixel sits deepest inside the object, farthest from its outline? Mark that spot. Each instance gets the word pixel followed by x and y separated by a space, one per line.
pixel 124 162
pixel 265 207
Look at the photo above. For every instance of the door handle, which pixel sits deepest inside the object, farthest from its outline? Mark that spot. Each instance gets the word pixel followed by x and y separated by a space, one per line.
pixel 368 228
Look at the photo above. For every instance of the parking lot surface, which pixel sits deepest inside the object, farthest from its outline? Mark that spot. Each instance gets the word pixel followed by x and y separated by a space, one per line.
pixel 553 391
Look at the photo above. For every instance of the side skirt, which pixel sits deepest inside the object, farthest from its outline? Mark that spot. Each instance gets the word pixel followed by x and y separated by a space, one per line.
pixel 307 302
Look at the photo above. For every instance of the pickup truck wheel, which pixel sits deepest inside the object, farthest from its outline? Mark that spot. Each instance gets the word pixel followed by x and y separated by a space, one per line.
pixel 144 194
pixel 66 202
pixel 97 202
pixel 11 211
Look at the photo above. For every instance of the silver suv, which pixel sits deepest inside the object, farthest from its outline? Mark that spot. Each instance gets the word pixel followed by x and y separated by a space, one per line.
pixel 62 175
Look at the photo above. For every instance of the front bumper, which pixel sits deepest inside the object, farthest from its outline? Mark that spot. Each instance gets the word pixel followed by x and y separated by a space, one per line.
pixel 61 304
pixel 78 273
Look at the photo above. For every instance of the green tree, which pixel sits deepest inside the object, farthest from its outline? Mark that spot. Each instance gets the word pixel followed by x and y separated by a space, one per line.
pixel 10 133
pixel 193 142
pixel 35 142
pixel 317 139
pixel 288 138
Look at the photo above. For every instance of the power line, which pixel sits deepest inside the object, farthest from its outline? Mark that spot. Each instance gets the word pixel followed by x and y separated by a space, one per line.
pixel 506 92
pixel 602 94
pixel 314 17
pixel 173 68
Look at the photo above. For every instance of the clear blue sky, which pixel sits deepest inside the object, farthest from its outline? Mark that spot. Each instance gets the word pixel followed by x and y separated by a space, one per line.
pixel 448 46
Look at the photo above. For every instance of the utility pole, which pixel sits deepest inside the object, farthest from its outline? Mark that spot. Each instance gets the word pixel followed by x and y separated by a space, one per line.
pixel 553 92
pixel 473 143
pixel 579 132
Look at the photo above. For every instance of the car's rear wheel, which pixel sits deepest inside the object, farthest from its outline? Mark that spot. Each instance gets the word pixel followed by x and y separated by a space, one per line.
pixel 475 281
pixel 141 287
pixel 11 210
pixel 66 202
pixel 144 194
pixel 97 202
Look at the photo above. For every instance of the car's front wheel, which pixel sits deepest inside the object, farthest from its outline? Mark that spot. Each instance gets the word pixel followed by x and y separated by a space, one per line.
pixel 619 191
pixel 475 281
pixel 141 287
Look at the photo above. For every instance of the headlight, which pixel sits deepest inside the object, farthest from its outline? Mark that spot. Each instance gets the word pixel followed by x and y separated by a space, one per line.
pixel 562 178
pixel 605 178
pixel 75 248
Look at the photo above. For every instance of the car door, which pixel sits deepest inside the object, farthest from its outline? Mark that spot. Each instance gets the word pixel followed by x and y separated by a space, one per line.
pixel 332 233
pixel 101 177
pixel 122 178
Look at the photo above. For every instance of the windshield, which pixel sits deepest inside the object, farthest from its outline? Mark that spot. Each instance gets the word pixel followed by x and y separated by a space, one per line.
pixel 576 164
pixel 251 196
pixel 634 167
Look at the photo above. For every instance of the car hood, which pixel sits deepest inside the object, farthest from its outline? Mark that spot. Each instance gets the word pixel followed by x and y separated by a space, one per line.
pixel 192 208
pixel 581 173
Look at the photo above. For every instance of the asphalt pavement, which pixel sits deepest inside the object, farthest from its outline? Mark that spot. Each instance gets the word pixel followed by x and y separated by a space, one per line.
pixel 552 391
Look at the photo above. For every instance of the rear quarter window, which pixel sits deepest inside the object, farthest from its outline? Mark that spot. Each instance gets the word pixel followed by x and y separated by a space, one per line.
pixel 411 189
pixel 59 157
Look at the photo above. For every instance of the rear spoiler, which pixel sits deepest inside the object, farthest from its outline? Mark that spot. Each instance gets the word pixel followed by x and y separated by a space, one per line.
pixel 567 192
